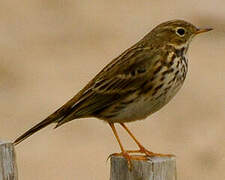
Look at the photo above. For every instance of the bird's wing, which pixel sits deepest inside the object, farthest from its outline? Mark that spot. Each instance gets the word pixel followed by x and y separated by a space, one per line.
pixel 123 75
pixel 120 77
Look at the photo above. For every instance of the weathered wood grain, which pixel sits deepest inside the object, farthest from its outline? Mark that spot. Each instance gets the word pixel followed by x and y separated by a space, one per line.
pixel 155 168
pixel 8 167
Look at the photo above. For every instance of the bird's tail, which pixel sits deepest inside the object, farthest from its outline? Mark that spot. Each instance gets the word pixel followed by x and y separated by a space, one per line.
pixel 53 118
pixel 58 117
pixel 34 129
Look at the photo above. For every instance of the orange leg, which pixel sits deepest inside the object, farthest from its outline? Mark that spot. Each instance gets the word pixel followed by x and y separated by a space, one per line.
pixel 123 153
pixel 142 148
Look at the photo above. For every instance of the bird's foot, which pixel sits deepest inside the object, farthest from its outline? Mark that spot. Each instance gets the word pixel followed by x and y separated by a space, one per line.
pixel 126 155
pixel 148 153
pixel 129 157
pixel 142 150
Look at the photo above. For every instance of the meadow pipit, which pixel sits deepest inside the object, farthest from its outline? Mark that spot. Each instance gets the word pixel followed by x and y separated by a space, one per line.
pixel 134 85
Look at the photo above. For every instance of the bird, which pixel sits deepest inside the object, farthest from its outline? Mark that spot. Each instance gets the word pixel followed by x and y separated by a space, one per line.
pixel 134 85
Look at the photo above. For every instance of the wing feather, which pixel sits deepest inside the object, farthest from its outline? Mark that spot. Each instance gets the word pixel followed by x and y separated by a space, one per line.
pixel 114 82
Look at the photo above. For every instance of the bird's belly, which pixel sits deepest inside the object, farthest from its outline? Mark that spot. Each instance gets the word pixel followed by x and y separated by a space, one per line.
pixel 142 107
pixel 145 104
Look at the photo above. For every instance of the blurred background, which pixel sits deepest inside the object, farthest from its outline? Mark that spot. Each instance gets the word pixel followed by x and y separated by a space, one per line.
pixel 50 49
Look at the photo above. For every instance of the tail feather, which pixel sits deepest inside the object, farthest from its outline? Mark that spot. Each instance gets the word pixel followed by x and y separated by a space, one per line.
pixel 57 117
pixel 34 129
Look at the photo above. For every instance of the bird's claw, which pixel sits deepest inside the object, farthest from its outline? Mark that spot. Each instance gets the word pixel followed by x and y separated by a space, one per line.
pixel 126 155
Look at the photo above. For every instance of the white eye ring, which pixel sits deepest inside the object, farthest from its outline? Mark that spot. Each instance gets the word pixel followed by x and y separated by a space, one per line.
pixel 180 31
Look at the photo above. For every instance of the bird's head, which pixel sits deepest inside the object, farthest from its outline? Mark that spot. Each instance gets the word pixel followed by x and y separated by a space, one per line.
pixel 177 32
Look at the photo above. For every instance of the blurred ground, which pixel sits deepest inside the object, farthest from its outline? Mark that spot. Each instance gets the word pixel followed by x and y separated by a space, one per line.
pixel 51 49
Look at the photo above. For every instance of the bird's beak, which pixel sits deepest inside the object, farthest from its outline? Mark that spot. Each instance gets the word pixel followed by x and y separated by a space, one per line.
pixel 203 30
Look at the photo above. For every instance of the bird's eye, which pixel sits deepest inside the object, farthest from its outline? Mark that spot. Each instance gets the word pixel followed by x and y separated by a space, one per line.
pixel 180 31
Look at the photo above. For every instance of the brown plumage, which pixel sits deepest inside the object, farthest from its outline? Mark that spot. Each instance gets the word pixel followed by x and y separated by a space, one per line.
pixel 134 85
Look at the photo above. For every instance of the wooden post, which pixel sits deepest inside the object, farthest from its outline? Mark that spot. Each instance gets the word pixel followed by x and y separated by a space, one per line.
pixel 8 168
pixel 155 168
